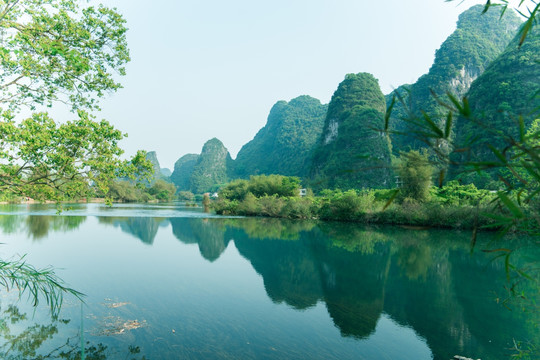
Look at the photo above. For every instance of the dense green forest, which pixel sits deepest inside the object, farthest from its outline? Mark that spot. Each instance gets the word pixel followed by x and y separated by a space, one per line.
pixel 351 152
pixel 285 144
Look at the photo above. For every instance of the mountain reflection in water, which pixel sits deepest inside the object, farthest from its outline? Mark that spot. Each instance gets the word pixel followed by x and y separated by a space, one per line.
pixel 426 280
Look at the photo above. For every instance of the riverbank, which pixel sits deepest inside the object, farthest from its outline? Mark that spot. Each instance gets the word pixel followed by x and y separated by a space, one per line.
pixel 33 201
pixel 361 209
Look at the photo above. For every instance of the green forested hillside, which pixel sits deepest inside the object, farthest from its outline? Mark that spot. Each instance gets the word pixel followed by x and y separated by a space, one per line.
pixel 507 90
pixel 285 144
pixel 351 153
pixel 183 168
pixel 213 167
pixel 478 40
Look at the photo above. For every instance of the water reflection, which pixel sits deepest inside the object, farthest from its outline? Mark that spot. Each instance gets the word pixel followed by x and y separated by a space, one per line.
pixel 143 228
pixel 209 235
pixel 23 339
pixel 425 280
pixel 39 226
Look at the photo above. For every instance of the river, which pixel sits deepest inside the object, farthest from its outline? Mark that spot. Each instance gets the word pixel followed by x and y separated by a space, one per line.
pixel 164 281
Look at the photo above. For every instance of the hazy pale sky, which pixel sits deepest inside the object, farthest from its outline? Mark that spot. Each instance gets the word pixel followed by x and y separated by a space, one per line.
pixel 214 68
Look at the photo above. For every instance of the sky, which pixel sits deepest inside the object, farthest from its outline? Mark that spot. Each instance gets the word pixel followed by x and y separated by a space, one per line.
pixel 214 68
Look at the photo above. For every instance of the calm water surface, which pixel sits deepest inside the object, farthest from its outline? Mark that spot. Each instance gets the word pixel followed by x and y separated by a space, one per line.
pixel 169 282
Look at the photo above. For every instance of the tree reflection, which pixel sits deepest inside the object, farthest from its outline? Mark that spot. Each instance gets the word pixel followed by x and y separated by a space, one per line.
pixel 39 342
pixel 39 226
pixel 10 223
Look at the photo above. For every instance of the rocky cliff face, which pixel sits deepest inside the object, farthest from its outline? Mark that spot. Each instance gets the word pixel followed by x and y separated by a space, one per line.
pixel 183 168
pixel 351 153
pixel 152 157
pixel 284 145
pixel 463 57
pixel 213 167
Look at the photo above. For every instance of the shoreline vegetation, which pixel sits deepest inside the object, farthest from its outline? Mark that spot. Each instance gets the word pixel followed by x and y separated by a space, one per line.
pixel 452 206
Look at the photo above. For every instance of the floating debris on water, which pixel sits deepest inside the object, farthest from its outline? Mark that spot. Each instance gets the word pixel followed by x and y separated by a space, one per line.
pixel 116 305
pixel 114 325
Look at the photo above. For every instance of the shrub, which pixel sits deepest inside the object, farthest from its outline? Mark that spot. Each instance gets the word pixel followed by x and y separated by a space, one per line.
pixel 268 185
pixel 299 208
pixel 249 206
pixel 162 190
pixel 235 190
pixel 186 196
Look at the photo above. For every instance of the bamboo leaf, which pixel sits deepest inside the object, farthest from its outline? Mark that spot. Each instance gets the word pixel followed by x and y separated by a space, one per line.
pixel 448 125
pixel 389 113
pixel 432 125
pixel 510 205
pixel 391 200
pixel 497 153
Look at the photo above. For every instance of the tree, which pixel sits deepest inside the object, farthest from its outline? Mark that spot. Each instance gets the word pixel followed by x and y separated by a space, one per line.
pixel 54 50
pixel 415 171
pixel 57 52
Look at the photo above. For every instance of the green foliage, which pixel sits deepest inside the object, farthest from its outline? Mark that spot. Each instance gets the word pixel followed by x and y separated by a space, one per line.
pixel 279 185
pixel 285 144
pixel 493 145
pixel 347 206
pixel 453 193
pixel 127 191
pixel 351 152
pixel 140 192
pixel 57 50
pixel 235 190
pixel 186 196
pixel 46 160
pixel 36 283
pixel 162 190
pixel 415 171
pixel 261 185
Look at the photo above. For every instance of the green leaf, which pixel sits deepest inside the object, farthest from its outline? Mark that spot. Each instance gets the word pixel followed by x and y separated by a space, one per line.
pixel 448 125
pixel 391 200
pixel 389 113
pixel 510 205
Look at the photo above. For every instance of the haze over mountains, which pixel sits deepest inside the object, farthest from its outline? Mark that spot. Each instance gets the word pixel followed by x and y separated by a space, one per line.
pixel 339 146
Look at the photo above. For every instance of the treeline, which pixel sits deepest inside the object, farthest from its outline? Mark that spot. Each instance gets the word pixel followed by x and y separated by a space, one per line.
pixel 450 206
